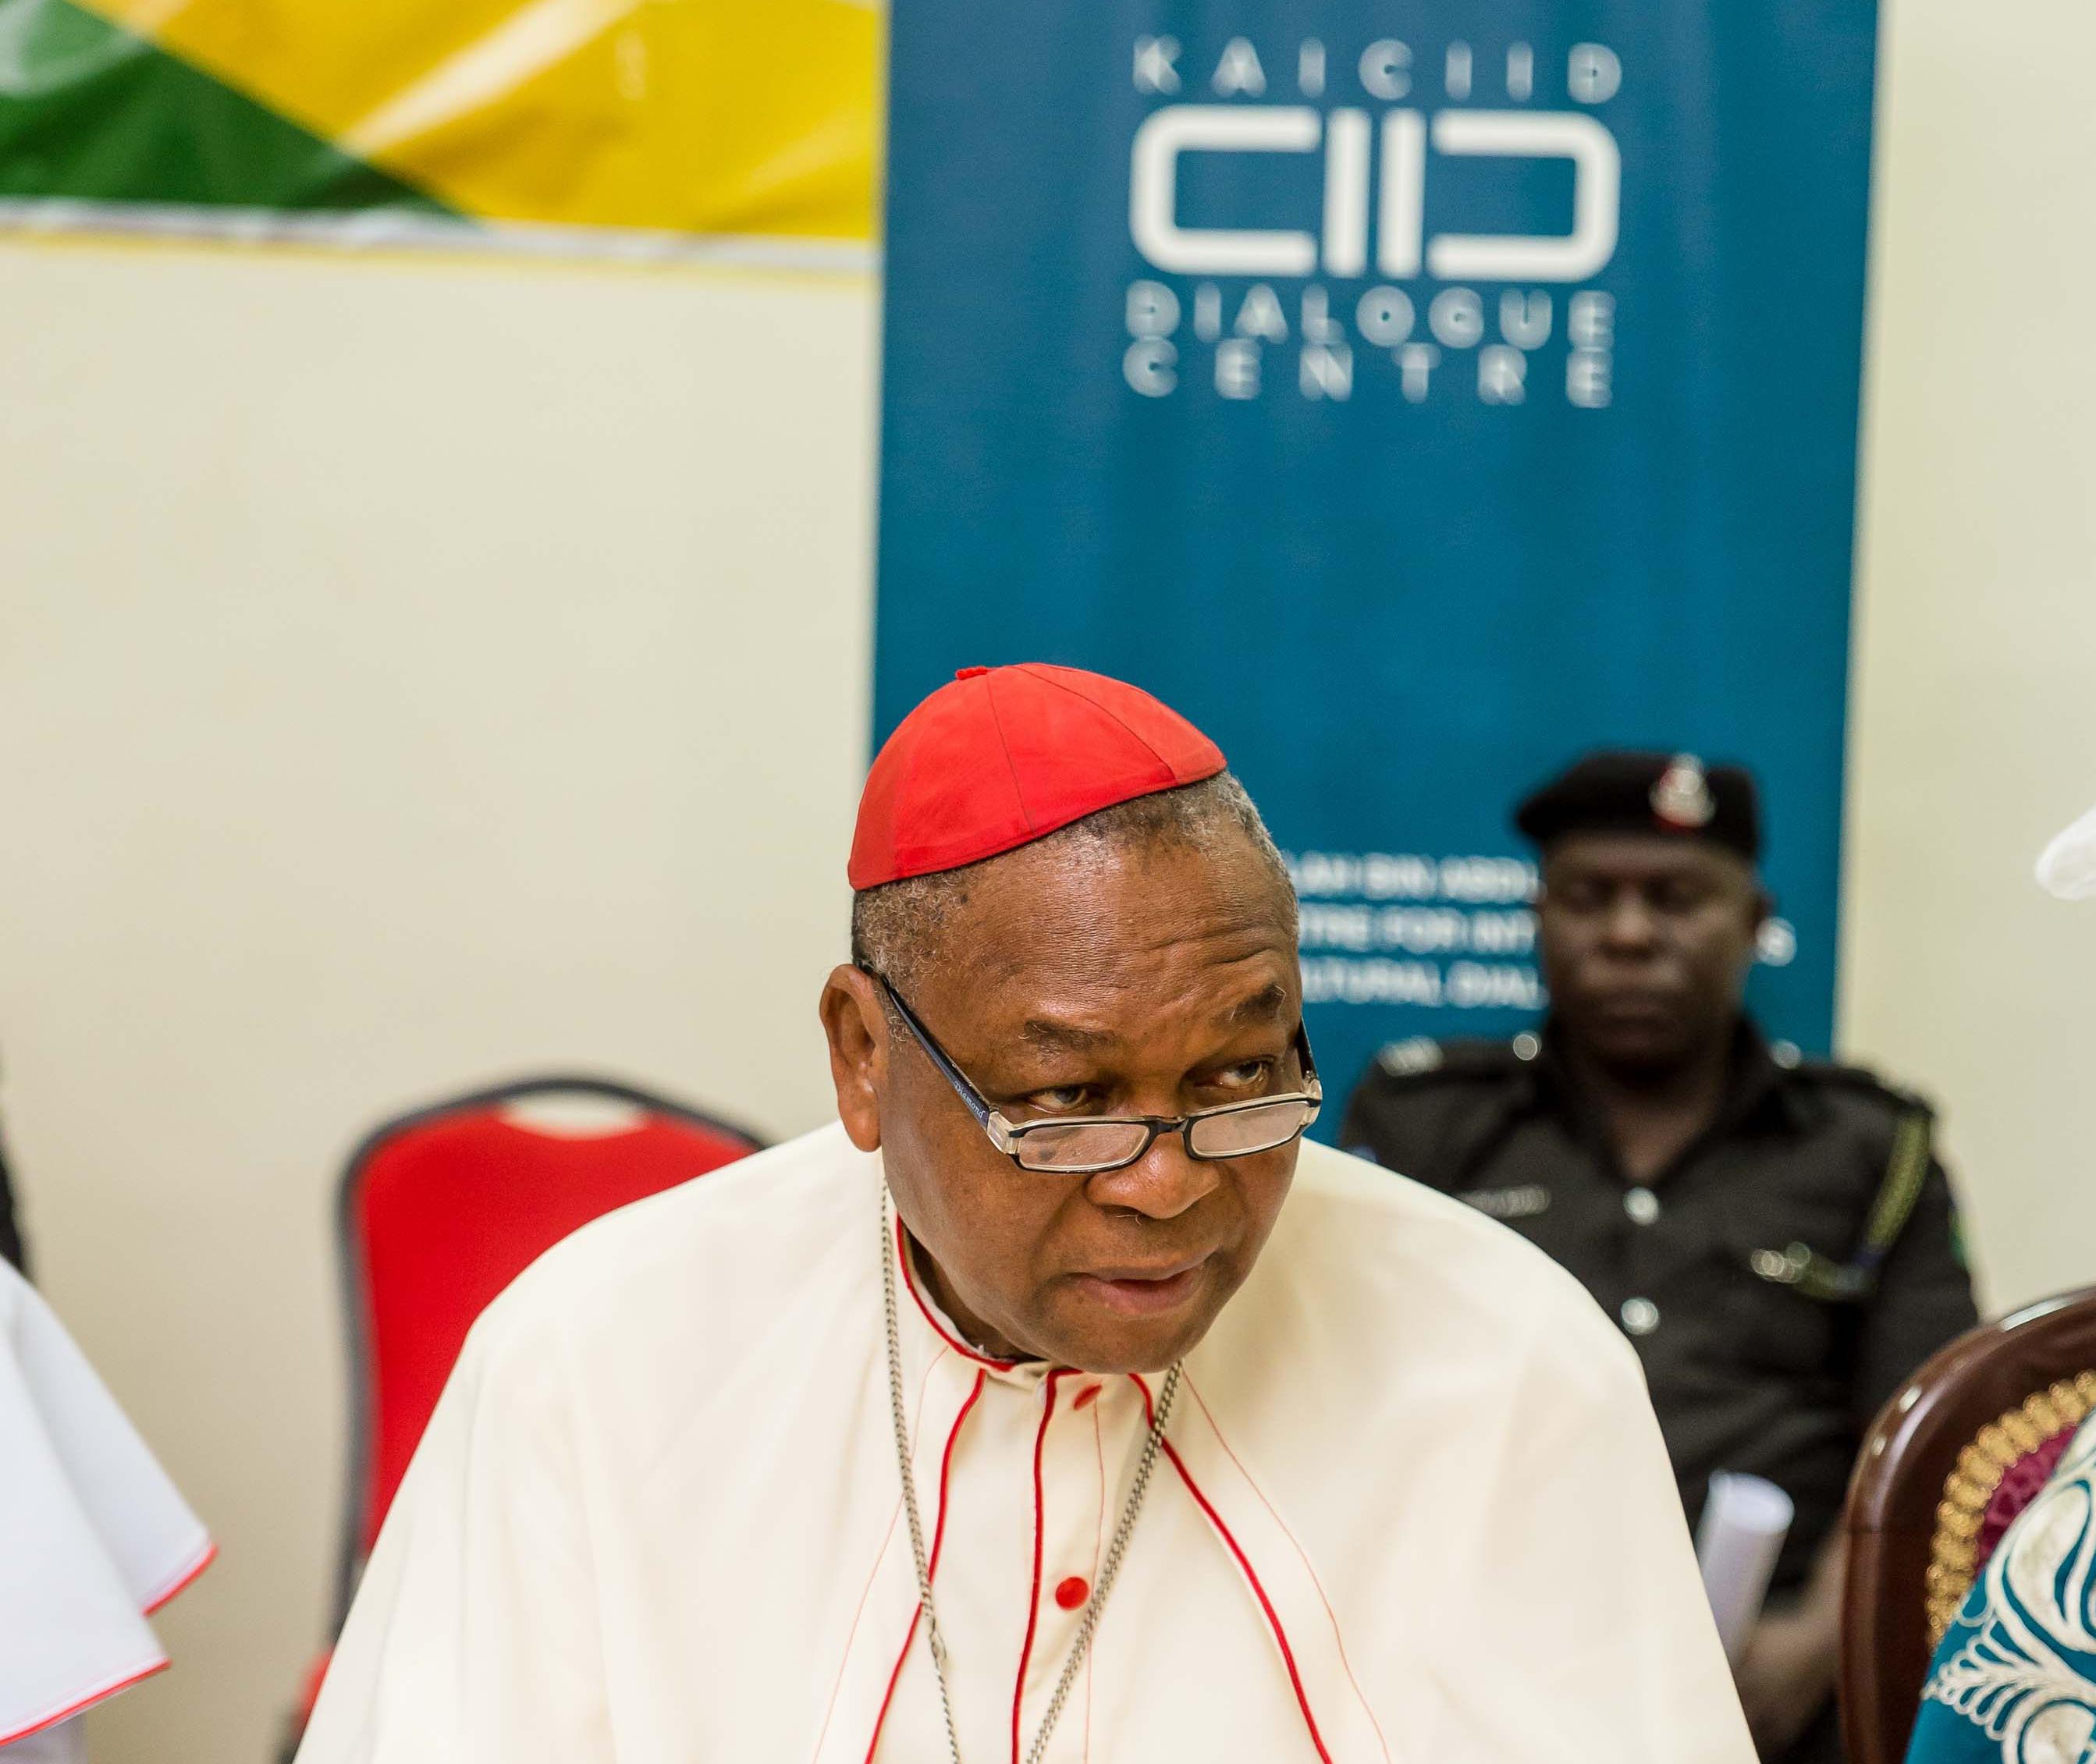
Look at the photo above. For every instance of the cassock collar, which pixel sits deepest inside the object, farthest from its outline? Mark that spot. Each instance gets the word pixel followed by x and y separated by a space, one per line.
pixel 948 1378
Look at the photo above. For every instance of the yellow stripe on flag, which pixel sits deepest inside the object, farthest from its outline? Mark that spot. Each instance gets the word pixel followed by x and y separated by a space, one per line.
pixel 749 117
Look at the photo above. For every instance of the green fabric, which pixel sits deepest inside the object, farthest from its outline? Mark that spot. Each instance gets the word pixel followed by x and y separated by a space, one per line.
pixel 89 112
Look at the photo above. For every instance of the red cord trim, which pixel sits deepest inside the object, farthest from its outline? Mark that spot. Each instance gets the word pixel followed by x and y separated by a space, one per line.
pixel 184 1579
pixel 945 1472
pixel 894 1677
pixel 1244 1562
pixel 945 1334
pixel 1309 1567
pixel 1273 1620
pixel 123 1682
pixel 931 1568
pixel 1033 1603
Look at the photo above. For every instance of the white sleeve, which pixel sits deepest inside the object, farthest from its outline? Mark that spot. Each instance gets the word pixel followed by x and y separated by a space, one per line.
pixel 93 1535
pixel 475 1635
pixel 65 1744
pixel 1615 1659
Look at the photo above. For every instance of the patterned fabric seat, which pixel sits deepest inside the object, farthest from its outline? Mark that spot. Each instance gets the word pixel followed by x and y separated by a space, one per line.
pixel 1998 1475
pixel 2013 1680
pixel 1967 1486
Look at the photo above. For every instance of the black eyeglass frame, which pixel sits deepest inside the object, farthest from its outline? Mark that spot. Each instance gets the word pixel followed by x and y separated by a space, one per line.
pixel 1005 1134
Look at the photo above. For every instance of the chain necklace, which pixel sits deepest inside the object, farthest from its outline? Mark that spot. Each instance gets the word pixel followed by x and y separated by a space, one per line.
pixel 1088 1624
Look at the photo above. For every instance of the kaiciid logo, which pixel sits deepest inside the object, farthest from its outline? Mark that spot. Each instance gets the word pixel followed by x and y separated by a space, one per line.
pixel 1376 273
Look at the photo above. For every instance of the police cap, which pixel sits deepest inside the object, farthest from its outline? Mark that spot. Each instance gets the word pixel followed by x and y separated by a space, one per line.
pixel 1627 793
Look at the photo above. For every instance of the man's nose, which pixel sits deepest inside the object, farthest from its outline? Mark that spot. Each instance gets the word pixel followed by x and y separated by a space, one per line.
pixel 1630 924
pixel 1162 1184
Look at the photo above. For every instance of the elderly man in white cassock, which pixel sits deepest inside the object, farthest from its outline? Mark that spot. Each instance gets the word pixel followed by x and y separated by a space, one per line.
pixel 1060 1402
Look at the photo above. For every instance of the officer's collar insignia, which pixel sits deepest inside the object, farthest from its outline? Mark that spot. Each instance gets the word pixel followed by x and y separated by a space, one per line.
pixel 1408 1058
pixel 1523 1203
pixel 1682 797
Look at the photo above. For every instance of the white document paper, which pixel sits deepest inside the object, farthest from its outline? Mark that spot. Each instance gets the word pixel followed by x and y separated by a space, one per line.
pixel 1744 1522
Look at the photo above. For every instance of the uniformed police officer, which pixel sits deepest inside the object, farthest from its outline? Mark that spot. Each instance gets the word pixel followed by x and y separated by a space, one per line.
pixel 1775 1234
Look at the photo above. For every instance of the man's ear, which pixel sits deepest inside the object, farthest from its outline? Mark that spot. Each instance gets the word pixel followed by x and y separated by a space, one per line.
pixel 856 1028
pixel 1761 911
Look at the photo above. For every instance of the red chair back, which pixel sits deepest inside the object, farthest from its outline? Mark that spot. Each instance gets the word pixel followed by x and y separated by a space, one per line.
pixel 443 1208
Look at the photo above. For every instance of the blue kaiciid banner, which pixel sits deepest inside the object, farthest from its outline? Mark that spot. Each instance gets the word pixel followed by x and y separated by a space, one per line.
pixel 1415 394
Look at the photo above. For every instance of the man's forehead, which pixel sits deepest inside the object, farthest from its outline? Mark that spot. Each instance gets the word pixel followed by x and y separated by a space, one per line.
pixel 1095 1028
pixel 1125 883
pixel 1639 854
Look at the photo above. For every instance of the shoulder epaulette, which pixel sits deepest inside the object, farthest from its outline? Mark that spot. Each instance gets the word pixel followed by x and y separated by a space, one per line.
pixel 1861 1080
pixel 1424 1059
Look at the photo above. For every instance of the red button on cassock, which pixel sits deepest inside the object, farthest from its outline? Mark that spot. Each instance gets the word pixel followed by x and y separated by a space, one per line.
pixel 1073 1593
pixel 1085 1395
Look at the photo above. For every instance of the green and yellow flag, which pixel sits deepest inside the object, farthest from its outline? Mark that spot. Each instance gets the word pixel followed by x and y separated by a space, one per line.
pixel 642 127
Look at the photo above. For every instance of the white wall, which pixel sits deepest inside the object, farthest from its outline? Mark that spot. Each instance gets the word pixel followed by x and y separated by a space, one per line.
pixel 1974 730
pixel 411 673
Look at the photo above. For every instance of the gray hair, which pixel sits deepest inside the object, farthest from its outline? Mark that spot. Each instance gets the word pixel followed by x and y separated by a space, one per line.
pixel 896 928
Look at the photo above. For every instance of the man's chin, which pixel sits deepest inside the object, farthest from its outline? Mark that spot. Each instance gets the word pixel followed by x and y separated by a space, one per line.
pixel 1096 1340
pixel 1640 1044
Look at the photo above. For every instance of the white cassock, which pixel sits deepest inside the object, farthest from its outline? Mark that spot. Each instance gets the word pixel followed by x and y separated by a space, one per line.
pixel 1415 1508
pixel 92 1536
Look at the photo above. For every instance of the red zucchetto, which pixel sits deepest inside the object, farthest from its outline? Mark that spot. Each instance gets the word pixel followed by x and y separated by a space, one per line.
pixel 998 758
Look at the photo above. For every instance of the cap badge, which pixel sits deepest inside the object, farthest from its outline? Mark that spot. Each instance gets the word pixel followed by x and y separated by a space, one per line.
pixel 1682 797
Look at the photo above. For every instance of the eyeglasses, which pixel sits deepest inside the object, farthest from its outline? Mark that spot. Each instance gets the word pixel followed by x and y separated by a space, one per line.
pixel 1087 1145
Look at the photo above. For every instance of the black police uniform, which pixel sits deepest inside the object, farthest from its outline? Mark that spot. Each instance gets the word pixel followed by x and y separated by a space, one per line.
pixel 1778 1279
